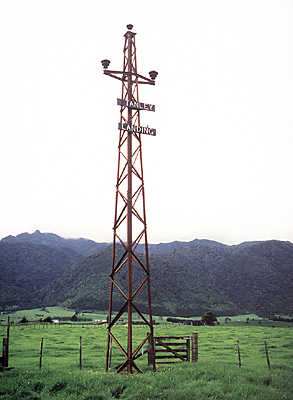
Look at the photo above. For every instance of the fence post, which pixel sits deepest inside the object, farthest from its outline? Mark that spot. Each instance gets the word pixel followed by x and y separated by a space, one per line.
pixel 5 353
pixel 7 336
pixel 239 355
pixel 188 350
pixel 151 354
pixel 149 350
pixel 80 352
pixel 267 355
pixel 110 357
pixel 194 356
pixel 41 352
pixel 2 357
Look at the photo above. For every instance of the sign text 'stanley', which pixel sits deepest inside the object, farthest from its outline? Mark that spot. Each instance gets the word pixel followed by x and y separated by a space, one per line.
pixel 136 105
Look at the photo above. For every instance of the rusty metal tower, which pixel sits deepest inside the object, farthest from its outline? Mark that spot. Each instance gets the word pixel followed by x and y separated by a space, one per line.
pixel 130 271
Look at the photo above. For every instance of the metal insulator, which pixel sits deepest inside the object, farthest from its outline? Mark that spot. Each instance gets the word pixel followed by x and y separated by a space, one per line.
pixel 129 26
pixel 153 75
pixel 105 63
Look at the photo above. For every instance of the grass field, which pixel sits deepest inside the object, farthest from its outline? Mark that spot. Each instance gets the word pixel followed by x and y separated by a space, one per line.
pixel 215 376
pixel 58 313
pixel 53 312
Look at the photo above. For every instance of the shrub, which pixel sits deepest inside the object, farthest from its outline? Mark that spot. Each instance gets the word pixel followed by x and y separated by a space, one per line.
pixel 209 318
pixel 74 317
pixel 48 319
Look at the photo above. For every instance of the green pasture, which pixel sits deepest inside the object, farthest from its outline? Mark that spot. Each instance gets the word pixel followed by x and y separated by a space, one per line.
pixel 62 312
pixel 59 313
pixel 216 375
pixel 53 312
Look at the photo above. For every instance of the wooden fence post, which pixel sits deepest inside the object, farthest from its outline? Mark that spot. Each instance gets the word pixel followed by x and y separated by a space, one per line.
pixel 7 337
pixel 2 357
pixel 239 355
pixel 194 356
pixel 110 355
pixel 5 353
pixel 151 354
pixel 41 352
pixel 188 350
pixel 8 328
pixel 80 352
pixel 267 355
pixel 149 351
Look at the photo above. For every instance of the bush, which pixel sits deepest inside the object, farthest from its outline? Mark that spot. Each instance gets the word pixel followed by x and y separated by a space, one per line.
pixel 74 317
pixel 209 318
pixel 48 319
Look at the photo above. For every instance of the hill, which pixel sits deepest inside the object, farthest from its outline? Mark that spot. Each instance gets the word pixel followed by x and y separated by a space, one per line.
pixel 189 278
pixel 26 268
pixel 85 247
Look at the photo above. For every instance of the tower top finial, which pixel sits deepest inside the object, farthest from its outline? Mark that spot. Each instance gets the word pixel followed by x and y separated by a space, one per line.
pixel 129 26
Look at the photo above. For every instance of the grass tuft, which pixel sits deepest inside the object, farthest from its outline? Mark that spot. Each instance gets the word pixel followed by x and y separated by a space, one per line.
pixel 38 387
pixel 117 392
pixel 58 386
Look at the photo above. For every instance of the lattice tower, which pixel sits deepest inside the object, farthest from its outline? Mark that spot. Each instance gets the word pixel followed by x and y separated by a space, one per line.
pixel 130 269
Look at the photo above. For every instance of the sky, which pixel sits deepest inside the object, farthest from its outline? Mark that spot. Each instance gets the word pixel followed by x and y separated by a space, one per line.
pixel 220 167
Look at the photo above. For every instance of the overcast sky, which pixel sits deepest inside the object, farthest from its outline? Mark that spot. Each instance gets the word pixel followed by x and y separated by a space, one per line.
pixel 221 165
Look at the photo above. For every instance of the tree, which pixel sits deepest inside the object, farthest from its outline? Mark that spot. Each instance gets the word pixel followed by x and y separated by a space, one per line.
pixel 209 318
pixel 48 319
pixel 74 317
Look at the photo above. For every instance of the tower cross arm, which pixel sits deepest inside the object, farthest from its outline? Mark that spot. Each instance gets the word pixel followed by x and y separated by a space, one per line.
pixel 121 75
pixel 145 79
pixel 114 74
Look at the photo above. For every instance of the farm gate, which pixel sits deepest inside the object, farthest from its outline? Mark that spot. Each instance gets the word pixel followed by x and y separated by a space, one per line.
pixel 174 349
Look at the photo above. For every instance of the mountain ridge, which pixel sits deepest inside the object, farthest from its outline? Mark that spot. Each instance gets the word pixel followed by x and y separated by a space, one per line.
pixel 187 278
pixel 85 247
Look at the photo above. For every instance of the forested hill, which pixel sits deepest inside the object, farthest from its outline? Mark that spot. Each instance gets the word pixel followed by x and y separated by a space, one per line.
pixel 85 247
pixel 187 278
pixel 25 268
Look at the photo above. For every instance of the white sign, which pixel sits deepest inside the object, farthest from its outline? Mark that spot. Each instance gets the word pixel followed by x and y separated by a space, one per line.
pixel 137 129
pixel 136 105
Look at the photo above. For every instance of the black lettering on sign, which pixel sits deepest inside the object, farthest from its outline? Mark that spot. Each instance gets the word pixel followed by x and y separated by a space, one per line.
pixel 135 105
